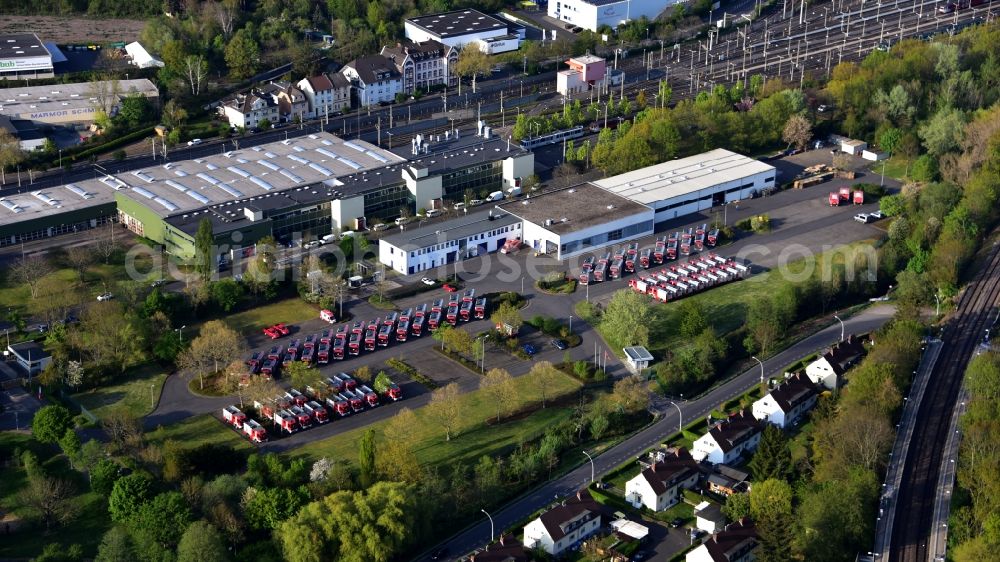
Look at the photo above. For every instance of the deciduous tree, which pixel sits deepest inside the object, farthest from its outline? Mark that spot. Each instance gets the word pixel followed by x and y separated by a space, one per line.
pixel 201 542
pixel 507 315
pixel 626 320
pixel 116 546
pixel 216 345
pixel 50 423
pixel 445 409
pixel 471 62
pixel 543 375
pixel 797 131
pixel 242 55
pixel 367 452
pixel 128 495
pixel 50 500
pixel 631 394
pixel 30 270
pixel 396 460
pixel 500 387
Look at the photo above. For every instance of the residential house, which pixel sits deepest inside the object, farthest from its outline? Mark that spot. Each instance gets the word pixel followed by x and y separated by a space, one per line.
pixel 564 526
pixel 422 65
pixel 293 105
pixel 726 441
pixel 375 79
pixel 734 544
pixel 327 94
pixel 659 486
pixel 726 480
pixel 830 367
pixel 30 356
pixel 248 109
pixel 787 402
pixel 507 549
pixel 709 517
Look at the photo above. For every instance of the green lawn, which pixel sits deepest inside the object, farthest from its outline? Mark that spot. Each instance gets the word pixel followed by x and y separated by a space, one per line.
pixel 289 311
pixel 198 430
pixel 727 305
pixel 474 438
pixel 896 168
pixel 92 517
pixel 135 393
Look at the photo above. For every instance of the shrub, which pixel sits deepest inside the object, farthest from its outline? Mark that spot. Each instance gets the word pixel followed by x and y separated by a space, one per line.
pixel 925 168
pixel 760 223
pixel 119 155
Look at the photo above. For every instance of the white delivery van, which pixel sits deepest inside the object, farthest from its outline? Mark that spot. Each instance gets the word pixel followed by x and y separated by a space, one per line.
pixel 514 192
pixel 495 196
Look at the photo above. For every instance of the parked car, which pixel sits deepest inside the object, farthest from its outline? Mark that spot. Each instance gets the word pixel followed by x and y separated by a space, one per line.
pixel 448 288
pixel 427 281
pixel 105 297
pixel 822 108
pixel 559 344
pixel 402 220
pixel 876 215
pixel 946 8
pixel 863 217
pixel 193 142
pixel 676 522
pixel 380 226
pixel 458 206
pixel 475 202
pixel 529 350
pixel 158 283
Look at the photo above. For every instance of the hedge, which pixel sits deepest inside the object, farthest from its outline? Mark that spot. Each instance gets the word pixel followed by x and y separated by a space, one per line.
pixel 114 143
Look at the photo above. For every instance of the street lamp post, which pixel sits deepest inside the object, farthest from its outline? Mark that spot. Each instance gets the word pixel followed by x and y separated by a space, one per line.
pixel 591 466
pixel 842 326
pixel 761 368
pixel 180 334
pixel 680 416
pixel 152 399
pixel 571 323
pixel 491 524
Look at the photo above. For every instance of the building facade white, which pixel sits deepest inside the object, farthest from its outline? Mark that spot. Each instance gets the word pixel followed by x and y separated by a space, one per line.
pixel 688 185
pixel 247 110
pixel 571 221
pixel 423 65
pixel 139 56
pixel 375 79
pixel 785 404
pixel 23 56
pixel 422 248
pixel 327 94
pixel 458 27
pixel 727 441
pixel 660 485
pixel 564 526
pixel 592 14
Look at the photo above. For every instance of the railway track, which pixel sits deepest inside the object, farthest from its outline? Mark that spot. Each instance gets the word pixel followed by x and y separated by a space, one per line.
pixel 921 469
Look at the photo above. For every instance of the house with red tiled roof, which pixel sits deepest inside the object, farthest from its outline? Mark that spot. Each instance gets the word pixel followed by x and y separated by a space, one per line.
pixel 659 486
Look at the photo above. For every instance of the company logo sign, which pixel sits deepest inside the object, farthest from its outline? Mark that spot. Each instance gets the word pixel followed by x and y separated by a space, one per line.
pixel 26 64
pixel 609 11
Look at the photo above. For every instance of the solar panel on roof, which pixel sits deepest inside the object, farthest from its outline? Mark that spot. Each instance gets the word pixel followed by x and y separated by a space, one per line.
pixel 143 192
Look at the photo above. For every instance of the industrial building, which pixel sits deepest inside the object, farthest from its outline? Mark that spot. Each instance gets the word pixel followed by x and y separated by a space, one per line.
pixel 584 73
pixel 43 213
pixel 425 247
pixel 139 56
pixel 687 185
pixel 456 28
pixel 306 187
pixel 70 104
pixel 23 56
pixel 567 222
pixel 592 14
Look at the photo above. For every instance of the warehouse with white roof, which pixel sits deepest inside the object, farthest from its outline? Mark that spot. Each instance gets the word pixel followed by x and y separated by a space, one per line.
pixel 688 185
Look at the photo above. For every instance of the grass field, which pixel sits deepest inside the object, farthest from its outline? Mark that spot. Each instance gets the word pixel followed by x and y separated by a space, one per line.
pixel 289 311
pixel 474 438
pixel 895 167
pixel 198 430
pixel 92 517
pixel 135 393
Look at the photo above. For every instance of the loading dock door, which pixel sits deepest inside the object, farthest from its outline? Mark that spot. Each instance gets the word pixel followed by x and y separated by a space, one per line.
pixel 481 249
pixel 718 198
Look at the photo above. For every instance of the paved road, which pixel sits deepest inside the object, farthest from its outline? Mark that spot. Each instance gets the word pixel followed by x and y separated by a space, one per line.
pixel 477 535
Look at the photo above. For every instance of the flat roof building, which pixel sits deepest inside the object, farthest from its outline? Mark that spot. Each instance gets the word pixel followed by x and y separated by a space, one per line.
pixel 305 186
pixel 65 209
pixel 687 185
pixel 23 56
pixel 418 249
pixel 592 14
pixel 582 218
pixel 64 104
pixel 458 27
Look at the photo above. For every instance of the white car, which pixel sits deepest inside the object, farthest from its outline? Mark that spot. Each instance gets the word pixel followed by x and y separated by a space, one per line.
pixel 193 142
pixel 105 297
pixel 402 220
pixel 475 202
pixel 427 281
pixel 458 206
pixel 313 244
pixel 875 215
pixel 863 217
